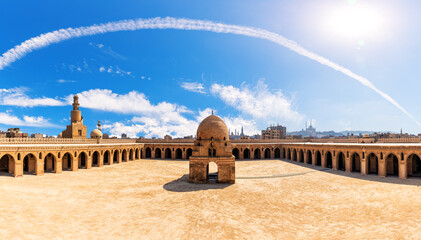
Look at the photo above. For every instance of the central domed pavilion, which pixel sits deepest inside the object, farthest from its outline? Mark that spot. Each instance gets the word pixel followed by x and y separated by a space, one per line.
pixel 212 144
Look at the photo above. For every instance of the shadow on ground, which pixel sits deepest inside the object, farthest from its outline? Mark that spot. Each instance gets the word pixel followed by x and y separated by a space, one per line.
pixel 371 177
pixel 183 185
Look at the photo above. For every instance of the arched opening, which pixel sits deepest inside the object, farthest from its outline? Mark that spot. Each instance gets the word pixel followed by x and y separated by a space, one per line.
pixel 236 153
pixel 309 157
pixel 178 154
pixel 246 153
pixel 284 154
pixel 115 157
pixel 392 165
pixel 288 154
pixel 131 155
pixel 107 158
pixel 414 165
pixel 355 163
pixel 373 164
pixel 212 172
pixel 82 160
pixel 29 164
pixel 267 153
pixel 277 153
pixel 257 153
pixel 157 153
pixel 294 155
pixel 168 153
pixel 341 161
pixel 49 163
pixel 328 159
pixel 95 159
pixel 7 164
pixel 67 161
pixel 318 159
pixel 189 153
pixel 124 155
pixel 148 153
pixel 136 154
pixel 301 156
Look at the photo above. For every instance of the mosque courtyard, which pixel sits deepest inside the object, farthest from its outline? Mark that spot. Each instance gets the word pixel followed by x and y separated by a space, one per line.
pixel 151 199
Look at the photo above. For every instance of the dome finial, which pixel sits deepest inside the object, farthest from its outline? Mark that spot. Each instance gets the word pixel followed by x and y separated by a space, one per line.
pixel 212 112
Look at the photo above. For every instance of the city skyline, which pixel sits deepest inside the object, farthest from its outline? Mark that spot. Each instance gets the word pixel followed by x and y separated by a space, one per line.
pixel 168 80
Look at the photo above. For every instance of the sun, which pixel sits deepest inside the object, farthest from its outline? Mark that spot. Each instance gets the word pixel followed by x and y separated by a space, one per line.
pixel 355 21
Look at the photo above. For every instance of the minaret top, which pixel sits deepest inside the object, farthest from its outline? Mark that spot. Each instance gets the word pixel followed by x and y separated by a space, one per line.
pixel 75 102
pixel 99 125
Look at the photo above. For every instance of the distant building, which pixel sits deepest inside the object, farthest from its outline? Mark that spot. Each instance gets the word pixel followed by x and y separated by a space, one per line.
pixel 105 136
pixel 188 137
pixel 168 137
pixel 123 136
pixel 274 132
pixel 15 133
pixel 37 135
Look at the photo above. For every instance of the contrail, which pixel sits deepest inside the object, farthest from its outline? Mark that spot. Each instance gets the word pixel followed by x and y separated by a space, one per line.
pixel 44 40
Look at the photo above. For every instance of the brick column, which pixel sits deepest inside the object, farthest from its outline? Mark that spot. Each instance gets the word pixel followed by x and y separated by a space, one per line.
pixel 58 167
pixel 39 167
pixel 364 166
pixel 403 169
pixel 382 167
pixel 18 168
pixel 75 164
pixel 88 162
pixel 323 160
pixel 348 164
pixel 241 155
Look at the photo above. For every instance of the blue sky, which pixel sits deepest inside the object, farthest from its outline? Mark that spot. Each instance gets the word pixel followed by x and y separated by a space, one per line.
pixel 153 82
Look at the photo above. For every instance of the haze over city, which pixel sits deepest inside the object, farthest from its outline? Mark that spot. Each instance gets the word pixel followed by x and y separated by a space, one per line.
pixel 153 82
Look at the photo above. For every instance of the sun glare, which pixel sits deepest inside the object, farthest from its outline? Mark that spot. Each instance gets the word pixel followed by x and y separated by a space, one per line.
pixel 355 21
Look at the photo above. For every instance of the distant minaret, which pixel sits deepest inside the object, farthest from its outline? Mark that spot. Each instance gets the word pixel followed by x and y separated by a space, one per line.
pixel 99 126
pixel 242 133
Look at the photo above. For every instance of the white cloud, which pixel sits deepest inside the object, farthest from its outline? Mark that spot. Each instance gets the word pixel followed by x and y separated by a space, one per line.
pixel 102 69
pixel 65 81
pixel 258 102
pixel 30 121
pixel 193 87
pixel 18 97
pixel 236 123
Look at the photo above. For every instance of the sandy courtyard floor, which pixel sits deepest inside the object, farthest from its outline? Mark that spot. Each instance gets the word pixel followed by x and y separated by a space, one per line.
pixel 149 199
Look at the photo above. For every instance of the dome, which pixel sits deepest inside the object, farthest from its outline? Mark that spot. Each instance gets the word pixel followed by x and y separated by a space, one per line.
pixel 212 127
pixel 366 135
pixel 96 134
pixel 60 135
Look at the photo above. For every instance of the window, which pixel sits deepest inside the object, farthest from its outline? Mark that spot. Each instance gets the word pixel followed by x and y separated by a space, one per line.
pixel 80 132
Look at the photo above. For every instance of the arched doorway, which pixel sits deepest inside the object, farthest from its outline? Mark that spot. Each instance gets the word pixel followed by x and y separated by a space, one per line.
pixel 136 154
pixel 257 153
pixel 130 155
pixel 148 153
pixel 212 172
pixel 284 155
pixel 107 159
pixel 7 164
pixel 355 163
pixel 124 155
pixel 236 153
pixel 115 157
pixel 277 153
pixel 82 160
pixel 414 165
pixel 246 153
pixel 29 164
pixel 328 159
pixel 168 153
pixel 49 163
pixel 373 164
pixel 301 156
pixel 157 153
pixel 178 154
pixel 318 158
pixel 341 161
pixel 392 165
pixel 189 153
pixel 288 154
pixel 67 161
pixel 309 157
pixel 95 159
pixel 267 153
